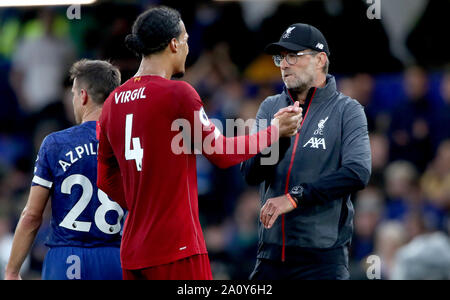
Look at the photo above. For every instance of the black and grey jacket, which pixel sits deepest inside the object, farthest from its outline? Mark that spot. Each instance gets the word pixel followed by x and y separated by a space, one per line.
pixel 330 158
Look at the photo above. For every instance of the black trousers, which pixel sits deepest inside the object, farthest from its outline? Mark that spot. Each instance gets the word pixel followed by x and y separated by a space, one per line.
pixel 266 269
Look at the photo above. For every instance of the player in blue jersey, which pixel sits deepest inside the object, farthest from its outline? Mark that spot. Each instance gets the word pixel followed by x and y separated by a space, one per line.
pixel 85 225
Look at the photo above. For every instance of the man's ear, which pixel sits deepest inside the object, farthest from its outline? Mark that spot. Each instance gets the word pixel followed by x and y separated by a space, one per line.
pixel 84 96
pixel 173 45
pixel 323 59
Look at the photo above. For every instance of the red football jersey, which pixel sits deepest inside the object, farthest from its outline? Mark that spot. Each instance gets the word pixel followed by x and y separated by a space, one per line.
pixel 138 167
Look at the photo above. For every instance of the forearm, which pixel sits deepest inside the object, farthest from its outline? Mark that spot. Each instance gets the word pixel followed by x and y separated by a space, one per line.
pixel 24 236
pixel 345 181
pixel 109 180
pixel 255 170
pixel 226 152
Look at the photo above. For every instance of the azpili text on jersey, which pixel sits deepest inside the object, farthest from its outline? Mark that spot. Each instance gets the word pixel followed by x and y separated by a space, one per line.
pixel 77 153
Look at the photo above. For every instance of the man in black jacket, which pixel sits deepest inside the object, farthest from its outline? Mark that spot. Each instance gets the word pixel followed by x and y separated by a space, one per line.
pixel 307 215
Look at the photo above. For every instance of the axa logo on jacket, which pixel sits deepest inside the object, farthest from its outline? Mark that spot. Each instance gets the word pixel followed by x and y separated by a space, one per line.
pixel 316 142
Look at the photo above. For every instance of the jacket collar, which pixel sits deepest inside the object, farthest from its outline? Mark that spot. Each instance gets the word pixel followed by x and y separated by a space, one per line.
pixel 321 94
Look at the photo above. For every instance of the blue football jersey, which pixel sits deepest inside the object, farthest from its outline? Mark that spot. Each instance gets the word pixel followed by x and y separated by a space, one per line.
pixel 82 214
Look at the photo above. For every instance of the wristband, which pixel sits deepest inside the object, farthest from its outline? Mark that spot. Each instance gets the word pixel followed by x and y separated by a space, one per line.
pixel 294 203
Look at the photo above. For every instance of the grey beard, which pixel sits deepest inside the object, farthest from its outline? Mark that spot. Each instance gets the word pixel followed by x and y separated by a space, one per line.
pixel 302 85
pixel 300 88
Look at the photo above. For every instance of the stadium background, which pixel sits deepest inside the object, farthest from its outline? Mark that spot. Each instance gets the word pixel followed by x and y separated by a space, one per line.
pixel 397 67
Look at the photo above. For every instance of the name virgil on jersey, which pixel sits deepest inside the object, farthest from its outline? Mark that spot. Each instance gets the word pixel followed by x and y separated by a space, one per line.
pixel 127 96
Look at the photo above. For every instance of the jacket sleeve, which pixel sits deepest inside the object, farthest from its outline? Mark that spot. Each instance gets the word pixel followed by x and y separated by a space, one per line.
pixel 261 167
pixel 354 173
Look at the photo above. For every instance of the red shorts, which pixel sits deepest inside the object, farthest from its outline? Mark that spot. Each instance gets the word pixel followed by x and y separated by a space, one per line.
pixel 194 267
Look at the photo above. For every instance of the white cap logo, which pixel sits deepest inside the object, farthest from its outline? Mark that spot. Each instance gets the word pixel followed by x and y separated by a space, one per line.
pixel 288 32
pixel 319 45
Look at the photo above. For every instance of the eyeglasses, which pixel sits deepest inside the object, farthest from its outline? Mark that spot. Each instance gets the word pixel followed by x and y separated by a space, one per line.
pixel 291 58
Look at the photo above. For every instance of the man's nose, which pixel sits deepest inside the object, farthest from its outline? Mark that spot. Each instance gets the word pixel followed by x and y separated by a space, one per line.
pixel 284 64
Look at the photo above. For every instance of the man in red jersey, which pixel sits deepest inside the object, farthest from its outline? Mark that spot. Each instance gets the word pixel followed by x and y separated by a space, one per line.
pixel 137 164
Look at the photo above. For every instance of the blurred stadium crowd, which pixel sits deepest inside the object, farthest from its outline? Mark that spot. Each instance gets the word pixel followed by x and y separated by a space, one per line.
pixel 403 214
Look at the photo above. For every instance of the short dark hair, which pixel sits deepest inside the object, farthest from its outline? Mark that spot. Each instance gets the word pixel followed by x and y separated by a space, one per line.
pixel 98 77
pixel 153 30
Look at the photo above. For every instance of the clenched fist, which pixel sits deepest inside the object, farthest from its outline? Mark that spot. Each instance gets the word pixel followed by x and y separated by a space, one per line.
pixel 288 120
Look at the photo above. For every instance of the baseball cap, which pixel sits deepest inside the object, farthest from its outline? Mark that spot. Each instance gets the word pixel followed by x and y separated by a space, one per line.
pixel 298 37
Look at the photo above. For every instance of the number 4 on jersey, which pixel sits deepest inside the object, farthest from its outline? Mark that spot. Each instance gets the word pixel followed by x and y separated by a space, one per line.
pixel 137 152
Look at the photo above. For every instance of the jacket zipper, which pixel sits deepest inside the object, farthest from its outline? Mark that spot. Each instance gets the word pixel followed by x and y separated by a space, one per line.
pixel 286 189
